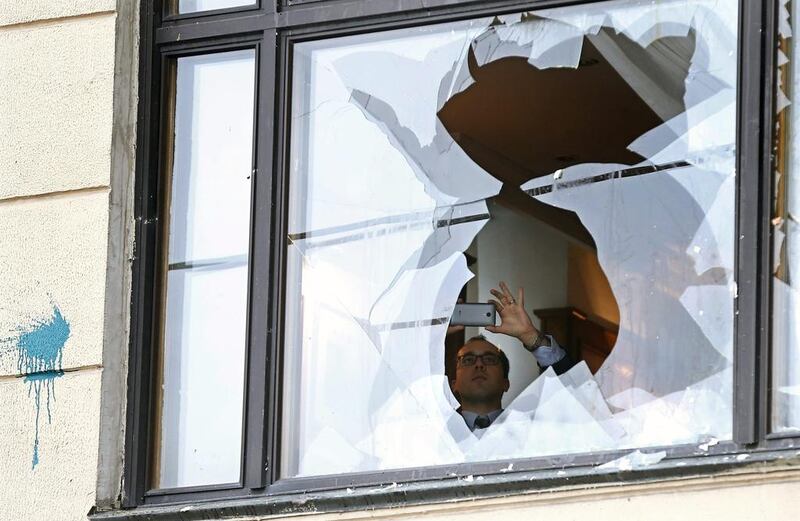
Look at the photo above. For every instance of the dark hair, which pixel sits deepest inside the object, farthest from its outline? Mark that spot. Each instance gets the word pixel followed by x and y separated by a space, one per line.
pixel 503 358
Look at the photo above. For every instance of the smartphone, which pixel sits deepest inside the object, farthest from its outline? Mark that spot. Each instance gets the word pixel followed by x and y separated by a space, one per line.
pixel 474 315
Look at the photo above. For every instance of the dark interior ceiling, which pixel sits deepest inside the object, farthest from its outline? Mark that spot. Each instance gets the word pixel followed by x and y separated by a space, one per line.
pixel 520 122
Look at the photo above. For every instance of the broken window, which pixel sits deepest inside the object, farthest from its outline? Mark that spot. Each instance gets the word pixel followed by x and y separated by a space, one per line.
pixel 584 153
pixel 786 269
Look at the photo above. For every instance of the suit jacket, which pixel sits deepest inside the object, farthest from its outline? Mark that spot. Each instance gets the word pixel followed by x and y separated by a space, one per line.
pixel 562 366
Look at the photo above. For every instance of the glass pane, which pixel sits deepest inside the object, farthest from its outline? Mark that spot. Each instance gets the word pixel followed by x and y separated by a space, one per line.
pixel 584 154
pixel 194 6
pixel 786 233
pixel 206 297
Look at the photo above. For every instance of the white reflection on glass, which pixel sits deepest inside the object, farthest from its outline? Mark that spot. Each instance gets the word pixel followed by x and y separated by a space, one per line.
pixel 194 6
pixel 206 300
pixel 399 139
pixel 786 235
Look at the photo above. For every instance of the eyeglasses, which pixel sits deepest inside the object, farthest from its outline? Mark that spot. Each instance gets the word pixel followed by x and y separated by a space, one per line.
pixel 469 360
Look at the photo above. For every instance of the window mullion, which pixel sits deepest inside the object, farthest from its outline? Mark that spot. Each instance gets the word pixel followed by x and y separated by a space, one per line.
pixel 753 246
pixel 261 359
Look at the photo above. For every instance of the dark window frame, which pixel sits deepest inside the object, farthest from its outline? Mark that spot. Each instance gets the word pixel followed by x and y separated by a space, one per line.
pixel 272 27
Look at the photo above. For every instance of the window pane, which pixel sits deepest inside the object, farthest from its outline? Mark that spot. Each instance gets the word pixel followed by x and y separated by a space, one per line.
pixel 206 297
pixel 786 233
pixel 585 154
pixel 194 6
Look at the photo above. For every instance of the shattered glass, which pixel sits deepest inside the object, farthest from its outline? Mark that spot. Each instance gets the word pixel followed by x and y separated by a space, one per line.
pixel 617 116
pixel 786 232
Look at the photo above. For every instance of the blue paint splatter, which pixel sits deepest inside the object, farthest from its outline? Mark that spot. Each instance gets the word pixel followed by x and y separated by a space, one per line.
pixel 40 349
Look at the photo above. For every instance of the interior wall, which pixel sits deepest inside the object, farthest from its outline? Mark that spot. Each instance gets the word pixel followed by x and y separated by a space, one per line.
pixel 523 252
pixel 587 286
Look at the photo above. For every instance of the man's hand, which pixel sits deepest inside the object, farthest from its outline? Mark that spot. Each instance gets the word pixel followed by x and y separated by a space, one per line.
pixel 454 329
pixel 514 319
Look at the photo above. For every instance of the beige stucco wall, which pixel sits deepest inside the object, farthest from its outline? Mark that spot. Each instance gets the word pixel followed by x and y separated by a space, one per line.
pixel 741 497
pixel 56 114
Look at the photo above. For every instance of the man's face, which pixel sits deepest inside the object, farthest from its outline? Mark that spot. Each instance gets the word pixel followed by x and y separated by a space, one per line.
pixel 479 382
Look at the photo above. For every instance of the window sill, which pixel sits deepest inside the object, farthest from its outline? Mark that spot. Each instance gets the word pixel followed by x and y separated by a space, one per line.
pixel 725 468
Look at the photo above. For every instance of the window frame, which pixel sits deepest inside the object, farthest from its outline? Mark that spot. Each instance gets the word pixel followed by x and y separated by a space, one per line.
pixel 150 244
pixel 272 27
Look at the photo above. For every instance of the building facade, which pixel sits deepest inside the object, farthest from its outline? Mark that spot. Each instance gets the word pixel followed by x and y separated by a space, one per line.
pixel 234 233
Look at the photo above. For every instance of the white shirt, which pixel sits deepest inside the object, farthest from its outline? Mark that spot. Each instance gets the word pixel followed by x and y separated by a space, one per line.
pixel 549 355
pixel 470 418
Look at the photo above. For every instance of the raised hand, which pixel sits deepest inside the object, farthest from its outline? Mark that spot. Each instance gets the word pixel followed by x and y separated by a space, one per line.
pixel 515 321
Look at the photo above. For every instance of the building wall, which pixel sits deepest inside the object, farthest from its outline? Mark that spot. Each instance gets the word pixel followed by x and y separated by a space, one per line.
pixel 57 62
pixel 743 497
pixel 67 120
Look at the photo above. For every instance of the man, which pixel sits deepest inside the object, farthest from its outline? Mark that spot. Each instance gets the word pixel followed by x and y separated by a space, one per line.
pixel 482 368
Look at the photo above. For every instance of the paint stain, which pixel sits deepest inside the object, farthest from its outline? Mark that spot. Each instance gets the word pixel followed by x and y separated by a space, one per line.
pixel 40 347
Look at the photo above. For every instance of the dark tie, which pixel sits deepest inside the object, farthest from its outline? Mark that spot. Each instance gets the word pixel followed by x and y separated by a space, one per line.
pixel 481 422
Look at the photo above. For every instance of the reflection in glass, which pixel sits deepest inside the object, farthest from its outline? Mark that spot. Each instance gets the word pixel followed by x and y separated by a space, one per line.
pixel 610 129
pixel 206 296
pixel 194 6
pixel 786 234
